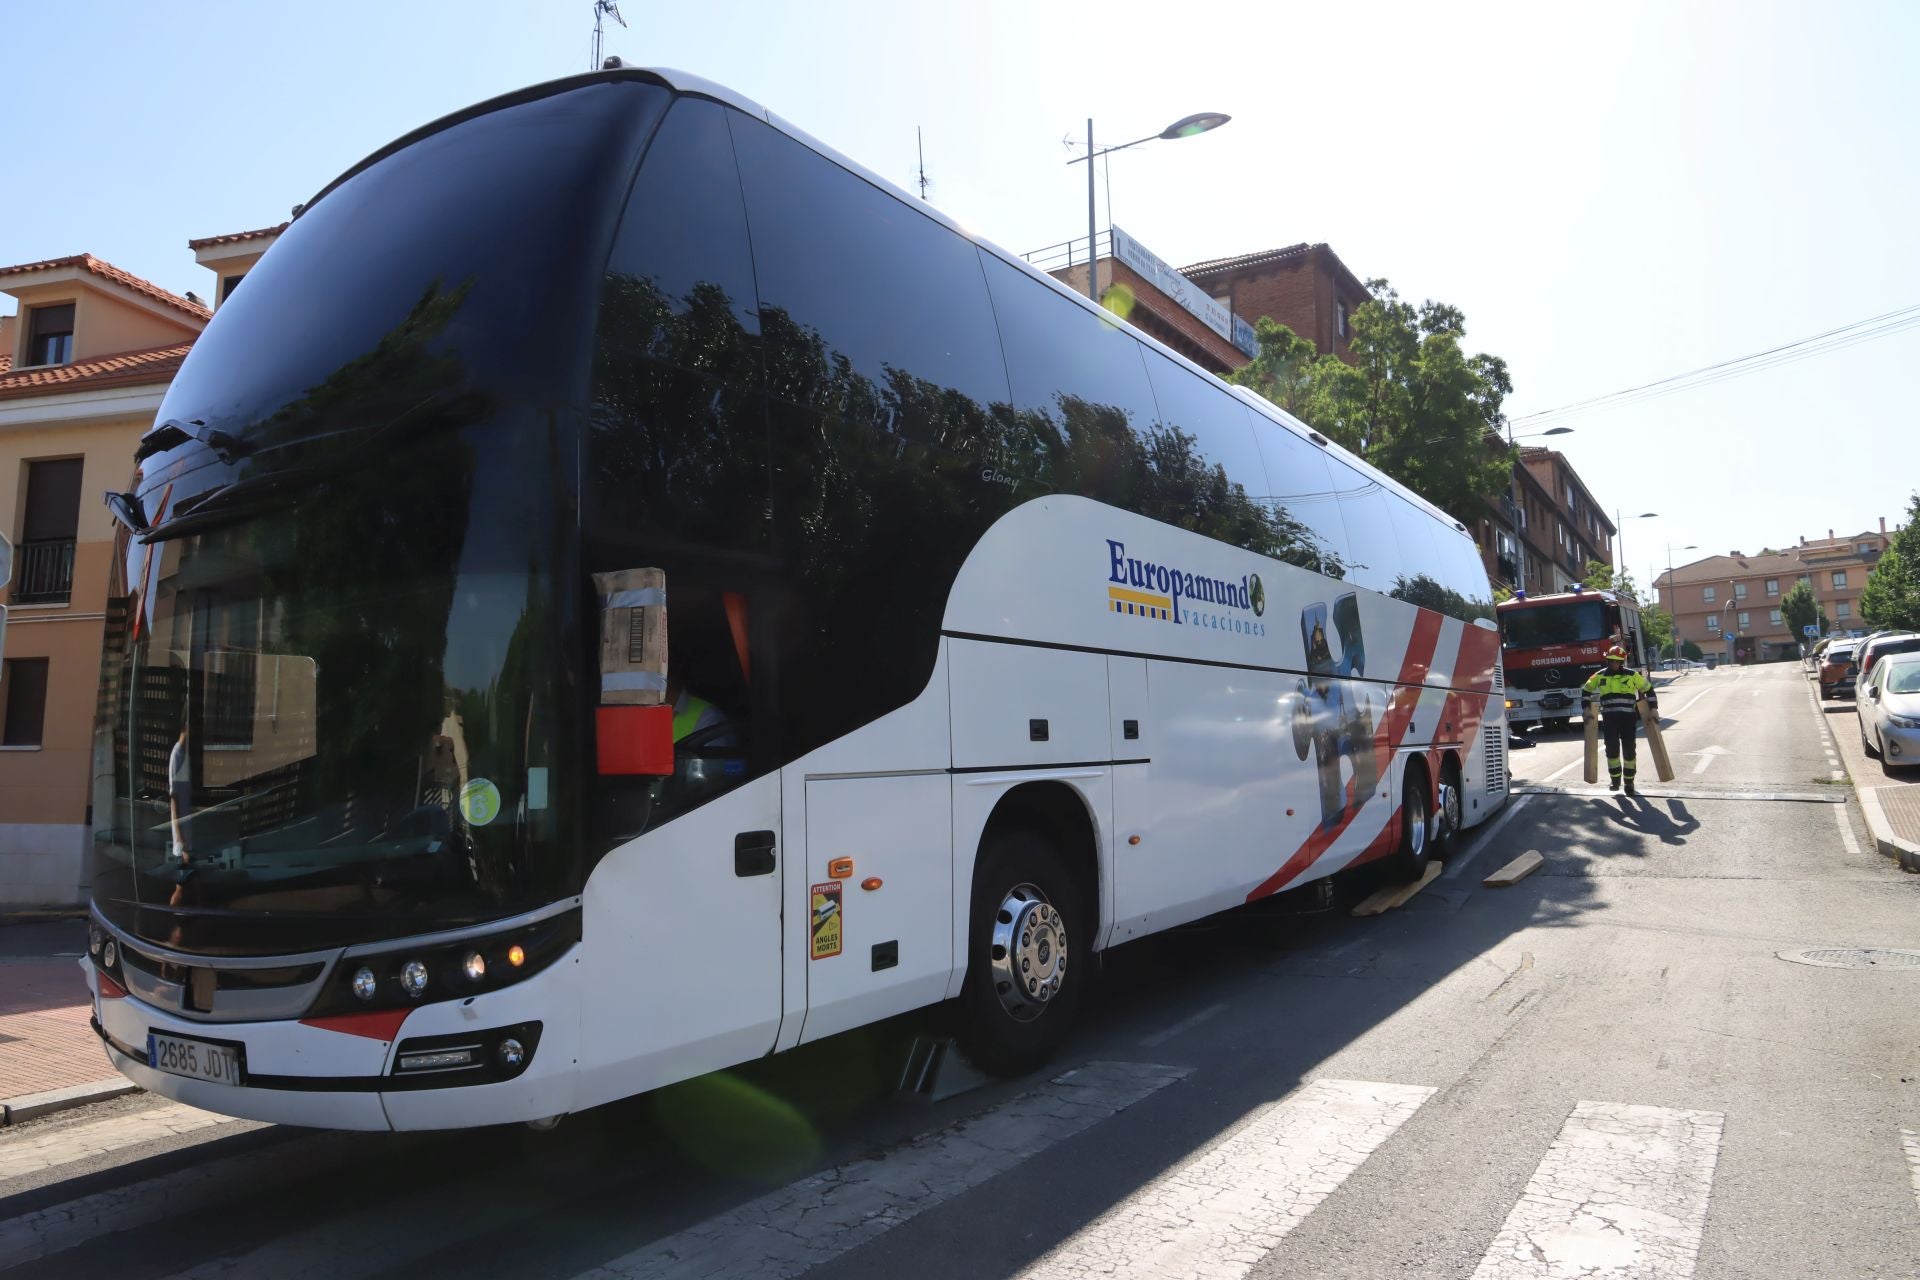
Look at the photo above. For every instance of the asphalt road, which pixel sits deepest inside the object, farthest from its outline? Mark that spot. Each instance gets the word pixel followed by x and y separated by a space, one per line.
pixel 1606 1070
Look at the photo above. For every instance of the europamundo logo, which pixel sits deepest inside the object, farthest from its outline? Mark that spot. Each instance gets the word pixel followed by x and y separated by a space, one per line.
pixel 1142 589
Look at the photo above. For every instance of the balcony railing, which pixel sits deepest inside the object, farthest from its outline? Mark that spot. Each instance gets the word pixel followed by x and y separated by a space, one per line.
pixel 43 571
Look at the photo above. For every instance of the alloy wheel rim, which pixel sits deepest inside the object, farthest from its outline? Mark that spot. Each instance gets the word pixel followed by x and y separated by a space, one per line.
pixel 1028 953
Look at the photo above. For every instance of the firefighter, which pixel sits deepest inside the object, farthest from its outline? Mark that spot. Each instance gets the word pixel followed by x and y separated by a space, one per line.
pixel 1615 689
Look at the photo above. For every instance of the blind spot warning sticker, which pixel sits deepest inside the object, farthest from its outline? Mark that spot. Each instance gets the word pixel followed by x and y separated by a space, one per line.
pixel 479 802
pixel 826 920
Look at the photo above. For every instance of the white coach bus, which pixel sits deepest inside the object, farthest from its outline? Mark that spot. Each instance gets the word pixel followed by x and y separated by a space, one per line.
pixel 624 591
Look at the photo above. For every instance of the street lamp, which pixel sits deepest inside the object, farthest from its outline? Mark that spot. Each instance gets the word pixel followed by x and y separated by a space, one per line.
pixel 1620 532
pixel 1185 127
pixel 1674 612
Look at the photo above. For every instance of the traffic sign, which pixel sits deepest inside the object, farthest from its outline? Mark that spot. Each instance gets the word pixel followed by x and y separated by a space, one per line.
pixel 1811 629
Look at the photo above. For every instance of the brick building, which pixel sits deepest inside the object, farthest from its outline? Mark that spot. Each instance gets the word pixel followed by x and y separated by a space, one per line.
pixel 1541 534
pixel 1304 286
pixel 1155 299
pixel 1730 605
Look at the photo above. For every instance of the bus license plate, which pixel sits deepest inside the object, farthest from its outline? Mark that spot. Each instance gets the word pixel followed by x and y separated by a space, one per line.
pixel 194 1059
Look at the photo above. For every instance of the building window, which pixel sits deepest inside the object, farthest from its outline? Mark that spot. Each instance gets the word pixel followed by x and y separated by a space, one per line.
pixel 1839 577
pixel 1773 586
pixel 1746 621
pixel 1739 591
pixel 1709 595
pixel 1773 616
pixel 1340 317
pixel 50 334
pixel 1866 548
pixel 1843 610
pixel 43 572
pixel 229 283
pixel 1713 622
pixel 25 694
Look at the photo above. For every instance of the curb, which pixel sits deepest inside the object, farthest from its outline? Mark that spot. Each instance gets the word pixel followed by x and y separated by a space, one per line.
pixel 40 915
pixel 1905 852
pixel 31 1106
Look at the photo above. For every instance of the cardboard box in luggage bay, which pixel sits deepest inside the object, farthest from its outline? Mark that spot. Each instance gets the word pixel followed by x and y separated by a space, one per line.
pixel 633 637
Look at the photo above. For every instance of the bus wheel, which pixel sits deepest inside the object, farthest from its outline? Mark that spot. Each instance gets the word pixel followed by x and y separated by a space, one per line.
pixel 1027 957
pixel 1450 810
pixel 1409 861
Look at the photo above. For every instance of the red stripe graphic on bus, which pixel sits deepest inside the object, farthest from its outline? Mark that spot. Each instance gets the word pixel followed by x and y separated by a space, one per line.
pixel 1393 727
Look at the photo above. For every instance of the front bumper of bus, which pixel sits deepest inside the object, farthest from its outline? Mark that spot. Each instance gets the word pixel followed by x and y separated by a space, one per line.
pixel 400 1072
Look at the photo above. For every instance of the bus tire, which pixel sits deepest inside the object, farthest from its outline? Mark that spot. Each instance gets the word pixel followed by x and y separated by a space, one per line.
pixel 1452 810
pixel 1029 953
pixel 1409 859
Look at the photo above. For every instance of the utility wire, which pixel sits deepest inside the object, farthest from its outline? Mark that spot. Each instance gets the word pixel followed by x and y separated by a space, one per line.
pixel 1848 335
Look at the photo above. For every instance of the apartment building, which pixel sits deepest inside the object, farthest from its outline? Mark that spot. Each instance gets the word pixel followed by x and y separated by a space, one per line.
pixel 1730 605
pixel 84 362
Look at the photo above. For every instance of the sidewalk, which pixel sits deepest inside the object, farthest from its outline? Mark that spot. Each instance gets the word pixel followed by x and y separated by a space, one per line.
pixel 1889 801
pixel 45 1040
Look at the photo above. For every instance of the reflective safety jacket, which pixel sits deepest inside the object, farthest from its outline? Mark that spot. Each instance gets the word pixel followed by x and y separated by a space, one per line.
pixel 1615 691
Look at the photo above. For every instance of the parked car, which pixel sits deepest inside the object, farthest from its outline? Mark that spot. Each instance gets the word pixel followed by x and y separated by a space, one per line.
pixel 1837 671
pixel 1880 645
pixel 1889 709
pixel 1816 653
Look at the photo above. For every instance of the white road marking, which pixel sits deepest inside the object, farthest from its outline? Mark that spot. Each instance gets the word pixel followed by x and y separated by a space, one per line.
pixel 48 1150
pixel 1459 865
pixel 1185 1024
pixel 1675 713
pixel 1846 829
pixel 1911 1141
pixel 1700 766
pixel 1219 1212
pixel 813 1221
pixel 1621 1193
pixel 1568 767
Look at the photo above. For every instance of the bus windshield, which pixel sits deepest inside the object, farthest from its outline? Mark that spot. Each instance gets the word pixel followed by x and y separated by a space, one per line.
pixel 1537 626
pixel 330 710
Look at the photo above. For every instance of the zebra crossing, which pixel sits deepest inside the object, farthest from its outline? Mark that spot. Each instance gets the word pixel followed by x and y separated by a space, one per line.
pixel 1623 1190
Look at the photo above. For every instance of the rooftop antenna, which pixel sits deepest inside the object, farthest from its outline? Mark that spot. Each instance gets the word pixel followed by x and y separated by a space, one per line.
pixel 920 139
pixel 601 8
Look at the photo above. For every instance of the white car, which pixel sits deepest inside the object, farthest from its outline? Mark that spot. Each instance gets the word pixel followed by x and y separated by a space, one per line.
pixel 1888 704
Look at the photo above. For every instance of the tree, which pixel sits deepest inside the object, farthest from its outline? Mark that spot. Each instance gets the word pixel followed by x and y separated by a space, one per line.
pixel 1602 576
pixel 1800 610
pixel 1413 403
pixel 1892 594
pixel 1283 371
pixel 1688 649
pixel 1656 624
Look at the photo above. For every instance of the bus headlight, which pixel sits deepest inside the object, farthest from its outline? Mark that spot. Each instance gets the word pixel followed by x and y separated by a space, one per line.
pixel 413 978
pixel 365 984
pixel 475 967
pixel 401 974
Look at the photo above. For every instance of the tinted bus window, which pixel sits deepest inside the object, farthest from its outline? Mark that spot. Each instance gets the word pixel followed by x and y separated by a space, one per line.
pixel 870 308
pixel 677 438
pixel 1418 578
pixel 1466 572
pixel 1300 492
pixel 1374 552
pixel 1206 467
pixel 1081 399
pixel 882 364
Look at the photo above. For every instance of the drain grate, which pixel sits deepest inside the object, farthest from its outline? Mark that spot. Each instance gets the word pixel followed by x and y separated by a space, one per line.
pixel 1856 958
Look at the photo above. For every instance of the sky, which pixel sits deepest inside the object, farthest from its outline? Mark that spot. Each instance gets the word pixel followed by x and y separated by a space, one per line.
pixel 1612 193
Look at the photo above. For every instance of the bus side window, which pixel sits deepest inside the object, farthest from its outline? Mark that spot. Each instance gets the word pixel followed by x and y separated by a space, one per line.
pixel 1206 462
pixel 1375 553
pixel 1300 495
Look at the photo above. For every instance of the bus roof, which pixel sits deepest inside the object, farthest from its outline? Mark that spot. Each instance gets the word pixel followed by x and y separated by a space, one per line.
pixel 688 83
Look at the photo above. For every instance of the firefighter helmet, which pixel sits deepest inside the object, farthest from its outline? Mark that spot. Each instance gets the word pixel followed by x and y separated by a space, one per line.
pixel 1616 654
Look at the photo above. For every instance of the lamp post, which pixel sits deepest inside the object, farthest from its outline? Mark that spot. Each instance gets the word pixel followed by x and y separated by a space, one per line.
pixel 1185 127
pixel 1519 543
pixel 1620 532
pixel 1674 612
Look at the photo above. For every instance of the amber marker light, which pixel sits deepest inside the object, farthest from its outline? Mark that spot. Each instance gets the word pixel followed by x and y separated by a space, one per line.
pixel 516 955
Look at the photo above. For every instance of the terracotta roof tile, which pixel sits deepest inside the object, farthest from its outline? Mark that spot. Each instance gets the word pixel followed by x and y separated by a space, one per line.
pixel 1260 259
pixel 236 237
pixel 107 271
pixel 156 364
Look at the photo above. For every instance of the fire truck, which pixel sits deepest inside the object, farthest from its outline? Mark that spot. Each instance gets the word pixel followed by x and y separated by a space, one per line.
pixel 1550 645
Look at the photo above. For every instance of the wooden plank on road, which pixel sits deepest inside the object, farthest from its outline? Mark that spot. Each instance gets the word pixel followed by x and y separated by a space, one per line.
pixel 1393 895
pixel 1516 871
